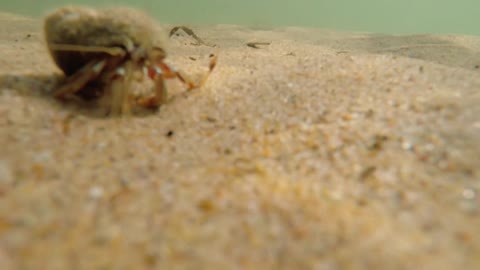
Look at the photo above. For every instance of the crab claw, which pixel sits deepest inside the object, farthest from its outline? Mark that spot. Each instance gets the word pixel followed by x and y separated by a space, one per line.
pixel 161 95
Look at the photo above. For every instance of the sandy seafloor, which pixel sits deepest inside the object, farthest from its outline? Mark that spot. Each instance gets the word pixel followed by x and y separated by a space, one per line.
pixel 323 150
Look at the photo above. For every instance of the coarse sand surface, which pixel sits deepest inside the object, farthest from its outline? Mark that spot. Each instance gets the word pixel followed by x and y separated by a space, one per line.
pixel 317 150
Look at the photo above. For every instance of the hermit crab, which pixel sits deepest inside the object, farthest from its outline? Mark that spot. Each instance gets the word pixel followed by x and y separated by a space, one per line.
pixel 102 51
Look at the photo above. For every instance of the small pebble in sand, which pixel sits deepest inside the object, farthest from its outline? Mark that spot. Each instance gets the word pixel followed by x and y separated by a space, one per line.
pixel 96 192
pixel 6 173
pixel 468 194
pixel 256 45
pixel 406 145
pixel 189 32
pixel 44 156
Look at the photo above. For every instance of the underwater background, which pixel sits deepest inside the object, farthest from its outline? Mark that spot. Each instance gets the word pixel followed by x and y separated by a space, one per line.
pixel 380 16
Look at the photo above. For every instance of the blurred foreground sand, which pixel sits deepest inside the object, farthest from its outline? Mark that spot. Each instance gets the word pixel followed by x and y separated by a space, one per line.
pixel 322 150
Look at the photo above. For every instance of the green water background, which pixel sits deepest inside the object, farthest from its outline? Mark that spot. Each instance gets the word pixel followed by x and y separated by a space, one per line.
pixel 380 16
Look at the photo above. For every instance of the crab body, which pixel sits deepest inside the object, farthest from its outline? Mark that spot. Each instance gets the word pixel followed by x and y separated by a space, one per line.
pixel 103 50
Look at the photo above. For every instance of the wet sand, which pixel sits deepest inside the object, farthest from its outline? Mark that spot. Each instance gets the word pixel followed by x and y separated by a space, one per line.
pixel 321 150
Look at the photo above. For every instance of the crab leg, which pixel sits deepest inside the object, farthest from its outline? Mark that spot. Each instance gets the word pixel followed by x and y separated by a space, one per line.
pixel 163 71
pixel 118 78
pixel 160 96
pixel 160 91
pixel 211 66
pixel 170 72
pixel 80 78
pixel 119 90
